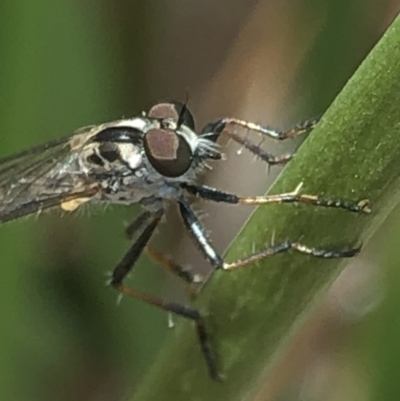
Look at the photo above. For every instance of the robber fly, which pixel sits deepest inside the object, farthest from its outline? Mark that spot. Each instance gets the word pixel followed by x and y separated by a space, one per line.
pixel 150 160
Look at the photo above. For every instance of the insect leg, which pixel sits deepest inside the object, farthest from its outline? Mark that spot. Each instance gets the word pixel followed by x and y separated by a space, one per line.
pixel 189 279
pixel 185 275
pixel 274 133
pixel 214 130
pixel 126 265
pixel 199 235
pixel 195 228
pixel 288 245
pixel 136 226
pixel 216 195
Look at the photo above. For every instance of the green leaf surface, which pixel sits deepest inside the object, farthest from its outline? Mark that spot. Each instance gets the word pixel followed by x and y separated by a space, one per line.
pixel 252 312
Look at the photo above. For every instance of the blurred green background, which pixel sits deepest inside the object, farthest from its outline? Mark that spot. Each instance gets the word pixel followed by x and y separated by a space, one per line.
pixel 66 64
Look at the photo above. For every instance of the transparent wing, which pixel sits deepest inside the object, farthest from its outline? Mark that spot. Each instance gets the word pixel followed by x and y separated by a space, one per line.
pixel 40 178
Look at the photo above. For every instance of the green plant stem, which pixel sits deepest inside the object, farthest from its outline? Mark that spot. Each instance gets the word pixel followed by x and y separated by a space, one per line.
pixel 354 153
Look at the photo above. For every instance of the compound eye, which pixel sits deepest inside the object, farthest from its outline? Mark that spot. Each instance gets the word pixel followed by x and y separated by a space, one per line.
pixel 168 152
pixel 175 110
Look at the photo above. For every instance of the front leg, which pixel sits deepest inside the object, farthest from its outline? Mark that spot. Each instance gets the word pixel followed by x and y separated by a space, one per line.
pixel 216 129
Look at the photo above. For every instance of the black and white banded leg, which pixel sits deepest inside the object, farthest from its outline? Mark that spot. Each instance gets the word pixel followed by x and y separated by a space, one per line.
pixel 216 195
pixel 214 130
